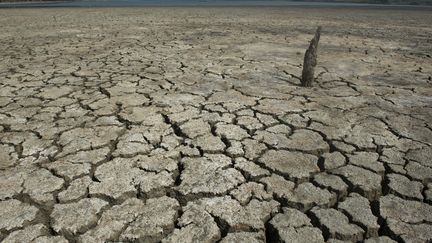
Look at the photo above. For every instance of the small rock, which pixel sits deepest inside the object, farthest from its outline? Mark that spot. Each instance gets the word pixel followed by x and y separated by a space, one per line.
pixel 76 217
pixel 54 92
pixel 231 96
pixel 295 120
pixel 381 239
pixel 187 151
pixel 280 129
pixel 302 197
pixel 10 184
pixel 195 128
pixel 7 156
pixel 156 163
pixel 306 196
pixel 392 156
pixel 332 183
pixel 398 169
pixel 33 146
pixel 295 165
pixel 344 147
pixel 421 156
pixel 131 143
pixel 182 116
pixel 203 175
pixel 210 144
pixel 231 132
pixel 358 208
pixel 196 225
pixel 142 115
pixel 267 120
pixel 250 169
pixel 252 148
pixel 69 171
pixel 396 208
pixel 135 220
pixel 333 160
pixel 364 181
pixel 27 234
pixel 428 193
pixel 245 112
pixel 15 214
pixel 336 225
pixel 272 140
pixel 156 219
pixel 278 186
pixel 94 156
pixel 421 232
pixel 308 141
pixel 419 172
pixel 278 107
pixel 293 226
pixel 51 239
pixel 250 123
pixel 40 184
pixel 87 138
pixel 77 189
pixel 367 160
pixel 404 187
pixel 240 218
pixel 236 149
pixel 154 184
pixel 245 192
pixel 244 237
pixel 113 221
pixel 337 241
pixel 115 179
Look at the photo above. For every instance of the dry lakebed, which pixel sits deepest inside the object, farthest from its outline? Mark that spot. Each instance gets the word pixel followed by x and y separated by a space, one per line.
pixel 188 124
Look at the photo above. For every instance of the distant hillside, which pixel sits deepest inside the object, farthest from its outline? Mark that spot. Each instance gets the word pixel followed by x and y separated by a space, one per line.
pixel 24 1
pixel 402 2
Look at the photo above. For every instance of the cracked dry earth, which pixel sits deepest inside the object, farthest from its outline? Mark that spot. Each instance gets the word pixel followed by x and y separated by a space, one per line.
pixel 189 125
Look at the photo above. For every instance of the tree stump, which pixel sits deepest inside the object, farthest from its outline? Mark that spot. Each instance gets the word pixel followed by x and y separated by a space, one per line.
pixel 310 60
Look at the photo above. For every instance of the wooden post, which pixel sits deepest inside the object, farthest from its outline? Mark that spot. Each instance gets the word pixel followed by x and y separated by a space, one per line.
pixel 310 60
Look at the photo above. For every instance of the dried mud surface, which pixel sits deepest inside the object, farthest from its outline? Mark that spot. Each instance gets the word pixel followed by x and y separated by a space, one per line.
pixel 189 125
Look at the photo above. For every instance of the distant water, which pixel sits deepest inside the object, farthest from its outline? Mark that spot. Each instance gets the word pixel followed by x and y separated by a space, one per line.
pixel 185 3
